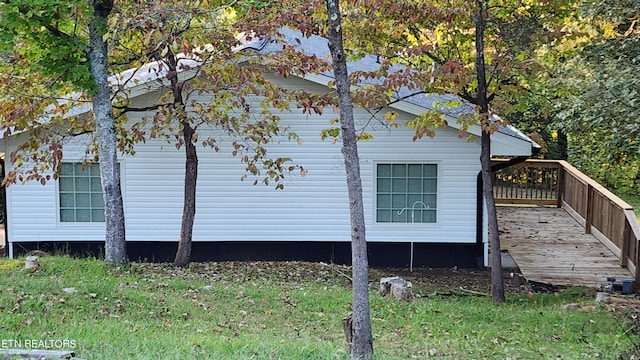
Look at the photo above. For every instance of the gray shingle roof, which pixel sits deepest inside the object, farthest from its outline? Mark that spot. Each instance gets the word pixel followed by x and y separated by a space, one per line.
pixel 318 46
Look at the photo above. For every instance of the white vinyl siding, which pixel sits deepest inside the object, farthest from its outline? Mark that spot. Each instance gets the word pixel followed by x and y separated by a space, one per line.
pixel 314 207
pixel 406 193
pixel 80 193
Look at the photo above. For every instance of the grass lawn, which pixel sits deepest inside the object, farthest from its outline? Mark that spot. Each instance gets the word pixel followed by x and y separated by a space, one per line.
pixel 292 310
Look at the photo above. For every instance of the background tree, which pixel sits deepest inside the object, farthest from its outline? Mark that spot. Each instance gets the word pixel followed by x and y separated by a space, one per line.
pixel 60 43
pixel 212 92
pixel 146 33
pixel 597 91
pixel 484 52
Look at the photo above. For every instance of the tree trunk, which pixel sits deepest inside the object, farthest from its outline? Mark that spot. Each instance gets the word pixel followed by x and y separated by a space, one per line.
pixel 362 341
pixel 562 145
pixel 115 241
pixel 497 283
pixel 183 254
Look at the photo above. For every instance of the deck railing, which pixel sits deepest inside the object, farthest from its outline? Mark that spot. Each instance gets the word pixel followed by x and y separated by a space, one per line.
pixel 557 183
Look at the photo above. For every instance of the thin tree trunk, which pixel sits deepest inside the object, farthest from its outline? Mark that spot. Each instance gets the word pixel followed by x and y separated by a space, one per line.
pixel 115 240
pixel 362 340
pixel 497 284
pixel 183 254
pixel 562 145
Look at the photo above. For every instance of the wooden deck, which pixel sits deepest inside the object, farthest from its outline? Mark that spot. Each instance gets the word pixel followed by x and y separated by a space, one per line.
pixel 549 246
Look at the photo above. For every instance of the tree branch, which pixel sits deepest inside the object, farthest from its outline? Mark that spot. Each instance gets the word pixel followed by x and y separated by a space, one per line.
pixel 140 109
pixel 466 96
pixel 55 31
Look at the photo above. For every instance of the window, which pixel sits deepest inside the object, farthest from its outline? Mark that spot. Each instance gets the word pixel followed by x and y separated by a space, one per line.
pixel 406 193
pixel 80 193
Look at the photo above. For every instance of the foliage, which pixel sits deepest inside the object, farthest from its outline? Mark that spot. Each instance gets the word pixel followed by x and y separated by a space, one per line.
pixel 598 91
pixel 208 90
pixel 47 37
pixel 46 45
pixel 138 34
pixel 287 310
pixel 483 53
pixel 54 49
pixel 185 54
pixel 616 171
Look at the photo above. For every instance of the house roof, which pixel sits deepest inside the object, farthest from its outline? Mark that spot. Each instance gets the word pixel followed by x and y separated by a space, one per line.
pixel 318 46
pixel 141 80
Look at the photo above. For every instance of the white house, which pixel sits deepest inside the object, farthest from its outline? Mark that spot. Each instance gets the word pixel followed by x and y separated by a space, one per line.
pixel 423 192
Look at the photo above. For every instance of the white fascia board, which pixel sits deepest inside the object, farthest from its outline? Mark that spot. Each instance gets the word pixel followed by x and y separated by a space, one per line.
pixel 502 141
pixel 154 84
pixel 404 106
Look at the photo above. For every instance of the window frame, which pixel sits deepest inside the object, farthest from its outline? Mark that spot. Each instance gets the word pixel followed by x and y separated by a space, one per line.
pixel 58 200
pixel 438 208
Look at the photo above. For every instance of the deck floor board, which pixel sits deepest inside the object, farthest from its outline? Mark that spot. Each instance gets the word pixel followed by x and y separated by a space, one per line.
pixel 549 246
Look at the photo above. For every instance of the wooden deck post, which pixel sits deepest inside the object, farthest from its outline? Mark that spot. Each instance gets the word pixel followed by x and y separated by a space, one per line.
pixel 560 186
pixel 588 219
pixel 626 244
pixel 637 263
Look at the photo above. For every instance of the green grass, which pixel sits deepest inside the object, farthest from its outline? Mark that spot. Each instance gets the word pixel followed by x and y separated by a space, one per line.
pixel 284 311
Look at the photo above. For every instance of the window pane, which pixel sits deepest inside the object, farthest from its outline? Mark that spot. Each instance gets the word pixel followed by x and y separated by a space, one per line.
pixel 415 170
pixel 399 201
pixel 97 215
pixel 430 171
pixel 384 185
pixel 384 170
pixel 66 169
pixel 430 185
pixel 414 201
pixel 384 201
pixel 82 201
pixel 66 184
pixel 399 185
pixel 67 201
pixel 399 171
pixel 82 184
pixel 409 191
pixel 80 193
pixel 67 215
pixel 384 216
pixel 83 216
pixel 402 217
pixel 415 185
pixel 94 171
pixel 97 201
pixel 431 201
pixel 429 216
pixel 95 184
pixel 80 170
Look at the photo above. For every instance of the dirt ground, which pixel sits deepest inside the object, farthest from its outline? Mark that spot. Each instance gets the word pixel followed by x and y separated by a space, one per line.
pixel 447 280
pixel 425 281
